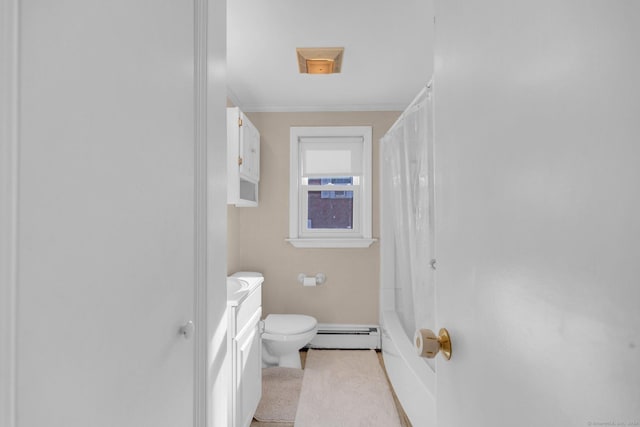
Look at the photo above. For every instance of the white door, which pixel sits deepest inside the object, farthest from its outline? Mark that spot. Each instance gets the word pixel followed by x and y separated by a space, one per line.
pixel 106 214
pixel 538 212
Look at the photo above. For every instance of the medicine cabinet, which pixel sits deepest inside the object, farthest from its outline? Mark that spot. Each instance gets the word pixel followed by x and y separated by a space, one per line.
pixel 243 159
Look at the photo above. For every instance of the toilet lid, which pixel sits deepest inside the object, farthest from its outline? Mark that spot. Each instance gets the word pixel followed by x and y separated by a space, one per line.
pixel 289 324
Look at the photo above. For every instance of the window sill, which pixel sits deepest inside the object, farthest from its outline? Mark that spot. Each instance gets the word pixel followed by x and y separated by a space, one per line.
pixel 331 243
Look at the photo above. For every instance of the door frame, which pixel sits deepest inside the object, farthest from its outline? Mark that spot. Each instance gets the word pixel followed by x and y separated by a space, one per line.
pixel 8 208
pixel 201 212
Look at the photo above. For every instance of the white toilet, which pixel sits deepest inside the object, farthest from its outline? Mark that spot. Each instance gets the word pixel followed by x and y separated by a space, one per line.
pixel 284 335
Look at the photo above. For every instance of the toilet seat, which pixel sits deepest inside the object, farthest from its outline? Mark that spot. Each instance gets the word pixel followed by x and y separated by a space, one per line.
pixel 288 324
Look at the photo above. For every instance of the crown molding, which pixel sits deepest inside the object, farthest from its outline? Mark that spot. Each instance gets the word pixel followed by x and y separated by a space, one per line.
pixel 322 108
pixel 233 98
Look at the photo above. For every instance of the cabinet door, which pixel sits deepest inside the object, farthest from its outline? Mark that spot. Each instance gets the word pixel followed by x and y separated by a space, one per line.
pixel 249 150
pixel 248 372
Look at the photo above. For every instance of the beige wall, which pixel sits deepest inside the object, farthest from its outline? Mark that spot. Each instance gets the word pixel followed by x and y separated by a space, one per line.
pixel 257 235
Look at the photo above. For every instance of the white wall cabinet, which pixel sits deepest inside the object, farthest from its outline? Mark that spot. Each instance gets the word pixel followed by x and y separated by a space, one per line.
pixel 243 156
pixel 246 358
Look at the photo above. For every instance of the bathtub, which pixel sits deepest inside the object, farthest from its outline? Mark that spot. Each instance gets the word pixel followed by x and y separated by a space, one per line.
pixel 407 253
pixel 412 378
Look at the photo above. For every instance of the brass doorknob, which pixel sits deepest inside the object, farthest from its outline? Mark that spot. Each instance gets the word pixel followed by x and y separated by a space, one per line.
pixel 428 344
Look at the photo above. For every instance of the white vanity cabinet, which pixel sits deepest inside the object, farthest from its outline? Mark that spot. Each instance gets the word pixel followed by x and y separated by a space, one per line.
pixel 243 159
pixel 245 347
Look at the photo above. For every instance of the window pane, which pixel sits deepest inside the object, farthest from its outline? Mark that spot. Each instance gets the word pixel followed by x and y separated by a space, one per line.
pixel 330 209
pixel 345 180
pixel 336 194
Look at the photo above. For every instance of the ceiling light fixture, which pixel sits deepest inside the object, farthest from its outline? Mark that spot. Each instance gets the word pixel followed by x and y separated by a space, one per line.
pixel 319 60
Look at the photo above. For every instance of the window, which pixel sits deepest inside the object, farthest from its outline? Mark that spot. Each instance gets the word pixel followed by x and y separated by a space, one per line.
pixel 330 188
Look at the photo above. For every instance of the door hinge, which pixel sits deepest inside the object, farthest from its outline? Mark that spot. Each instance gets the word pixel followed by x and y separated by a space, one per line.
pixel 239 121
pixel 239 161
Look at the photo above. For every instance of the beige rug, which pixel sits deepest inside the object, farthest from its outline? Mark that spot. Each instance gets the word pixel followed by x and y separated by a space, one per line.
pixel 280 393
pixel 345 388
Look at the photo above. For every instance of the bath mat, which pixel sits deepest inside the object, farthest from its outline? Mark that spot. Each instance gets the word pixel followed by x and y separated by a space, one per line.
pixel 345 388
pixel 280 393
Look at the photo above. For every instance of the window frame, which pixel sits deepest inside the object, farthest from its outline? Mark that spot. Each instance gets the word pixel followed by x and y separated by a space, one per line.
pixel 360 234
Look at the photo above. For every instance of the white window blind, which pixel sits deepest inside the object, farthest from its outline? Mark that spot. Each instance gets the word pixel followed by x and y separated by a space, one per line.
pixel 330 158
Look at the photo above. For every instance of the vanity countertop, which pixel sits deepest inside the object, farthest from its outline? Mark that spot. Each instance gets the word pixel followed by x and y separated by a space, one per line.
pixel 240 285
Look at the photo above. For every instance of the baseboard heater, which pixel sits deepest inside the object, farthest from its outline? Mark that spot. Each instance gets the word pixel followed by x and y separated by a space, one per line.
pixel 332 335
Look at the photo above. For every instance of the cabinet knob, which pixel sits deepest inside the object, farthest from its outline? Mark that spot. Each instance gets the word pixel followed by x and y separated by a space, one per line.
pixel 239 161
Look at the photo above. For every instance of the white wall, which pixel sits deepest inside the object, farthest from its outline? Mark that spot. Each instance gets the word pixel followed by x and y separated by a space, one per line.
pixel 538 212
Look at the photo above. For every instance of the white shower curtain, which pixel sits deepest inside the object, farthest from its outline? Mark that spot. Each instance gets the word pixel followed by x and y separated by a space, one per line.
pixel 408 194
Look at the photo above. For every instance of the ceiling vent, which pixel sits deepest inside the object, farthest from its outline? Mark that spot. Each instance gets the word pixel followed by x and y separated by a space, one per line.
pixel 320 60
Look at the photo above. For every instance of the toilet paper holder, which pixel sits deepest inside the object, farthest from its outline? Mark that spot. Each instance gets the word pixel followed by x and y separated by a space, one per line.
pixel 319 277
